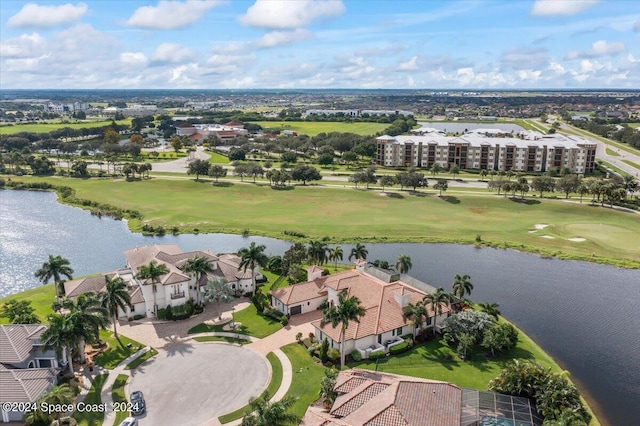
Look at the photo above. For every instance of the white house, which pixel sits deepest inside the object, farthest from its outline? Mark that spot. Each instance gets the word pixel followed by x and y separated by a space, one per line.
pixel 382 294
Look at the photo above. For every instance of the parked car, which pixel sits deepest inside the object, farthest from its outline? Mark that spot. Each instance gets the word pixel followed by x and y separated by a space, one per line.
pixel 129 421
pixel 138 406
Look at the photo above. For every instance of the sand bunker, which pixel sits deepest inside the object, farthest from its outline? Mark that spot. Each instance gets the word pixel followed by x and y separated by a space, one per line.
pixel 541 225
pixel 532 231
pixel 547 236
pixel 577 239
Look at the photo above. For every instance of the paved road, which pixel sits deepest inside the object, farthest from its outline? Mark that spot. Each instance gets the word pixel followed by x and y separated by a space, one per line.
pixel 193 383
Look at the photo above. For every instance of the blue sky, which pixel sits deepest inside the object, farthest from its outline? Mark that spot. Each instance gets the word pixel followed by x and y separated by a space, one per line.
pixel 390 44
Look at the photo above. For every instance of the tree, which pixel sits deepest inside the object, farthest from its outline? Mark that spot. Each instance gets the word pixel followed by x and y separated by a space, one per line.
pixel 461 286
pixel 176 143
pixel 251 258
pixel 317 252
pixel 115 296
pixel 61 336
pixel 295 255
pixel 198 266
pixel 359 252
pixel 55 268
pixel 491 309
pixel 412 179
pixel 336 254
pixel 111 136
pixel 568 184
pixel 471 322
pixel 437 300
pixel 441 185
pixel 349 157
pixel 347 309
pixel 216 171
pixel 543 184
pixel 417 313
pixel 19 312
pixel 152 272
pixel 455 170
pixel 218 291
pixel 304 173
pixel 435 169
pixel 501 337
pixel 325 159
pixel 56 396
pixel 265 413
pixel 403 264
pixel 386 180
pixel 289 157
pixel 465 342
pixel 237 154
pixel 254 170
pixel 327 386
pixel 198 167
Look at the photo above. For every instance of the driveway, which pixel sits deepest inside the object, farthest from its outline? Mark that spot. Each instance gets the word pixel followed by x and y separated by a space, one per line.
pixel 194 383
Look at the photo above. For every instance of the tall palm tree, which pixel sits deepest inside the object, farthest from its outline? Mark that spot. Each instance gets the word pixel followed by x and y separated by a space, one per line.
pixel 317 252
pixel 57 395
pixel 218 290
pixel 152 272
pixel 198 266
pixel 55 268
pixel 347 309
pixel 115 296
pixel 461 286
pixel 62 336
pixel 491 309
pixel 251 258
pixel 359 252
pixel 403 265
pixel 336 254
pixel 265 413
pixel 437 299
pixel 416 313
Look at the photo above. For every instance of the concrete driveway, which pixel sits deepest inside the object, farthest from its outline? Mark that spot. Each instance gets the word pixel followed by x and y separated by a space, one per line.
pixel 193 383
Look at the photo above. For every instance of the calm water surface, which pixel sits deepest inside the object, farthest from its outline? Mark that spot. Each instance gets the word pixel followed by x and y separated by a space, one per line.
pixel 586 316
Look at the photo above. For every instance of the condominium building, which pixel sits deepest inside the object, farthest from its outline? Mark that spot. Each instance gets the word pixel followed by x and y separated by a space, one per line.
pixel 488 149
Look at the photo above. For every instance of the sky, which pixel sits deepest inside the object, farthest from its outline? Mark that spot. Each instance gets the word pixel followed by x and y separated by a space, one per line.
pixel 299 44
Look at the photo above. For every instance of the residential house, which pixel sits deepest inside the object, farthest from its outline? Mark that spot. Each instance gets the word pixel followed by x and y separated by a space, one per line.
pixel 382 294
pixel 27 367
pixel 372 398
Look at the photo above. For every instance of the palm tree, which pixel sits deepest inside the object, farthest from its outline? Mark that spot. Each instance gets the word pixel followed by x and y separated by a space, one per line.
pixel 403 265
pixel 251 258
pixel 416 313
pixel 461 286
pixel 317 252
pixel 199 266
pixel 115 296
pixel 491 309
pixel 266 413
pixel 152 272
pixel 359 252
pixel 218 290
pixel 56 396
pixel 347 309
pixel 336 254
pixel 62 336
pixel 55 268
pixel 436 300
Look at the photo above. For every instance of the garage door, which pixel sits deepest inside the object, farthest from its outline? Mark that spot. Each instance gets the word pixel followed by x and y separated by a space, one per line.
pixel 296 310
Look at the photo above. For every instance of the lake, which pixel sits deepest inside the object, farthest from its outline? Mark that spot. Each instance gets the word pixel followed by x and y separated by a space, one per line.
pixel 587 316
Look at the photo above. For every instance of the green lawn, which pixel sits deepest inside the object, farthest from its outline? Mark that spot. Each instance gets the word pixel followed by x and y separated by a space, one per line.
pixel 632 164
pixel 348 215
pixel 93 397
pixel 48 127
pixel 217 158
pixel 40 297
pixel 252 324
pixel 614 168
pixel 610 151
pixel 117 394
pixel 272 388
pixel 142 358
pixel 313 128
pixel 307 376
pixel 117 351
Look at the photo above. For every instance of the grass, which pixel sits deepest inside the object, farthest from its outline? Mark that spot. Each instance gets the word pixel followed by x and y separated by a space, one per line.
pixel 117 351
pixel 632 164
pixel 312 128
pixel 217 158
pixel 48 127
pixel 117 394
pixel 614 168
pixel 274 385
pixel 93 397
pixel 252 324
pixel 307 375
pixel 610 142
pixel 347 215
pixel 40 297
pixel 609 151
pixel 142 358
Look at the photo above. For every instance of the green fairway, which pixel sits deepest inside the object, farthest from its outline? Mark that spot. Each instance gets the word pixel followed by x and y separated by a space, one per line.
pixel 40 297
pixel 347 215
pixel 312 128
pixel 48 127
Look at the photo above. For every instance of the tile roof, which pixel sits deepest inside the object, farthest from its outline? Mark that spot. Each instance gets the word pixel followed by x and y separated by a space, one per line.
pixel 300 292
pixel 26 385
pixel 16 341
pixel 77 287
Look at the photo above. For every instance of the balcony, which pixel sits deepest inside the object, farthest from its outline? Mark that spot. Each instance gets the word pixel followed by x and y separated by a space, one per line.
pixel 177 295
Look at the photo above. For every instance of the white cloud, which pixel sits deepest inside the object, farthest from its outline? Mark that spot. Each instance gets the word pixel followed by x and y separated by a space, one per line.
pixel 598 49
pixel 277 38
pixel 168 53
pixel 24 46
pixel 36 16
pixel 561 7
pixel 170 15
pixel 133 58
pixel 290 14
pixel 410 65
pixel 228 64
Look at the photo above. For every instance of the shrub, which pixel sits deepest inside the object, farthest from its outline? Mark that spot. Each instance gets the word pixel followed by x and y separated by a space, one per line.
pixel 324 350
pixel 377 354
pixel 284 320
pixel 298 337
pixel 397 349
pixel 355 354
pixel 272 313
pixel 333 354
pixel 137 317
pixel 162 314
pixel 314 349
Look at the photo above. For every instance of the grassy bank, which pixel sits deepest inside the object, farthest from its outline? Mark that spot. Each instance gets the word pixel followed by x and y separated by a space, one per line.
pixel 40 298
pixel 347 215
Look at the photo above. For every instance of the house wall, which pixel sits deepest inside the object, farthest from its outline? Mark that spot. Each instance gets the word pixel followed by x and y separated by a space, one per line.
pixel 138 309
pixel 307 306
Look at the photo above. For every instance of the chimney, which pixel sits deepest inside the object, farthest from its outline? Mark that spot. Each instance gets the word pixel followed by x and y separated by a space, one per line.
pixel 360 264
pixel 313 272
pixel 402 299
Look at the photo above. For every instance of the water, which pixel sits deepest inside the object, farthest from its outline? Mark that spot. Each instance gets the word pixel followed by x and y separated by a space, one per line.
pixel 454 126
pixel 586 316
